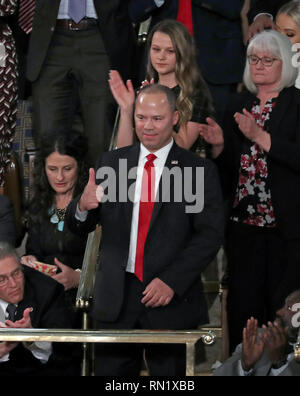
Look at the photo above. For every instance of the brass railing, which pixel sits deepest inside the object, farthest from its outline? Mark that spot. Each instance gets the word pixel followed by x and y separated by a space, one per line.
pixel 189 338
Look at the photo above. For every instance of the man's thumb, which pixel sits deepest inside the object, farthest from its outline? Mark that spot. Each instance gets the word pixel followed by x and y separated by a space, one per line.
pixel 92 177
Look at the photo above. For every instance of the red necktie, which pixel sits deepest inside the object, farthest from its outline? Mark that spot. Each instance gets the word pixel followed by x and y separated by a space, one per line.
pixel 146 209
pixel 185 15
pixel 26 13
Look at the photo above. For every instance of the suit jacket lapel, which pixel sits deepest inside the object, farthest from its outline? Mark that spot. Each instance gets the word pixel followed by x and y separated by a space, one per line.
pixel 27 302
pixel 281 108
pixel 132 163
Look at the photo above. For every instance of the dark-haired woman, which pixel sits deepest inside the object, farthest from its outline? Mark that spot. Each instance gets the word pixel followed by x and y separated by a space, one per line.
pixel 60 174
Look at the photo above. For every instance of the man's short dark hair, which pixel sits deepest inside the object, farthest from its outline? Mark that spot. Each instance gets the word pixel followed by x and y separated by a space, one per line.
pixel 158 88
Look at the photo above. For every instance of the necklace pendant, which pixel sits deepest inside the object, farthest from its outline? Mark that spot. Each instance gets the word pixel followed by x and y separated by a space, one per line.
pixel 60 226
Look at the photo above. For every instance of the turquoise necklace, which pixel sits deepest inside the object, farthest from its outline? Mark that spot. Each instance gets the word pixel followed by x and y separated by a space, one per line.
pixel 58 217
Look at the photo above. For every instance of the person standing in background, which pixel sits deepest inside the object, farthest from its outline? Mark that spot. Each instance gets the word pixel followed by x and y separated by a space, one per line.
pixel 261 15
pixel 217 31
pixel 72 47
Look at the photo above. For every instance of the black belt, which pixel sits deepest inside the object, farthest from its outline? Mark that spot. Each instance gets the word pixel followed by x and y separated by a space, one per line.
pixel 84 24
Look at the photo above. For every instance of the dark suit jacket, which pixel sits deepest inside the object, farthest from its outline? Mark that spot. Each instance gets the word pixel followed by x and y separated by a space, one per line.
pixel 269 6
pixel 217 33
pixel 7 221
pixel 178 248
pixel 50 311
pixel 283 158
pixel 114 25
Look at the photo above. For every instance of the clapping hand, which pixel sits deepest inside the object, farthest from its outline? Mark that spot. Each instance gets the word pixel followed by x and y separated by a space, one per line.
pixel 253 345
pixel 123 94
pixel 275 340
pixel 24 323
pixel 247 125
pixel 212 133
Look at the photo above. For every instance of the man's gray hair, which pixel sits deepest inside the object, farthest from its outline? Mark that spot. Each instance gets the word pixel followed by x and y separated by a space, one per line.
pixel 6 250
pixel 279 46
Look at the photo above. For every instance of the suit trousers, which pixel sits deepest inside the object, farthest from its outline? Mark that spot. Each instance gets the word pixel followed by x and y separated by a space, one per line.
pixel 263 269
pixel 74 80
pixel 127 359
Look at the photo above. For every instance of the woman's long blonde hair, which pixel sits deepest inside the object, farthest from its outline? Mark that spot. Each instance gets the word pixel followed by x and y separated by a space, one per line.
pixel 187 72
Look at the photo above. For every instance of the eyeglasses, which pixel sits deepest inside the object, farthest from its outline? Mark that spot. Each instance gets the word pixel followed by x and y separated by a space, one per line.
pixel 15 275
pixel 265 60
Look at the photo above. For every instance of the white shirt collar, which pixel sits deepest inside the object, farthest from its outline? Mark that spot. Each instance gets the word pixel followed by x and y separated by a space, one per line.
pixel 161 154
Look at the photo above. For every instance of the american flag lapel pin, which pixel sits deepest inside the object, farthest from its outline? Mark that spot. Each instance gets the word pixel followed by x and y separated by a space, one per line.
pixel 174 162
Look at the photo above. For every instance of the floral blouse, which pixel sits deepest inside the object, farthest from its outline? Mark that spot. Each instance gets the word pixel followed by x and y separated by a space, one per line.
pixel 253 201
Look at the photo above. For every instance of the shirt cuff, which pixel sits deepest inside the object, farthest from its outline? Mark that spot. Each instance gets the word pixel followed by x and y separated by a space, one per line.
pixel 4 358
pixel 263 13
pixel 159 3
pixel 79 215
pixel 242 372
pixel 40 350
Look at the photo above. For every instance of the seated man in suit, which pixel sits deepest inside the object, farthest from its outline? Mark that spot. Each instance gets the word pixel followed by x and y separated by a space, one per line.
pixel 152 253
pixel 268 352
pixel 261 15
pixel 30 299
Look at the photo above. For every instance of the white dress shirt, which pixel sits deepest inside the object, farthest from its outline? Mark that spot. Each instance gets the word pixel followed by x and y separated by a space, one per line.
pixel 40 350
pixel 159 164
pixel 64 7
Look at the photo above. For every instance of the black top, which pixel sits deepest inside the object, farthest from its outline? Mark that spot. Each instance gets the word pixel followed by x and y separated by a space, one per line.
pixel 283 158
pixel 202 104
pixel 45 242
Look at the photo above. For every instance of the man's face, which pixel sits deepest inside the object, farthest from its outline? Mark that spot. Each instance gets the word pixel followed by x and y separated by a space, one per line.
pixel 11 280
pixel 286 314
pixel 154 120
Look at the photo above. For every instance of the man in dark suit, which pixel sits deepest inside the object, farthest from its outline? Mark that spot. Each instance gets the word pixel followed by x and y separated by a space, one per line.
pixel 29 299
pixel 151 260
pixel 68 64
pixel 218 38
pixel 261 15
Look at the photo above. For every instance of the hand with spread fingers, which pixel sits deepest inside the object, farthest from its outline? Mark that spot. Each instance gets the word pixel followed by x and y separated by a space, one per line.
pixel 253 345
pixel 123 93
pixel 212 133
pixel 252 131
pixel 275 340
